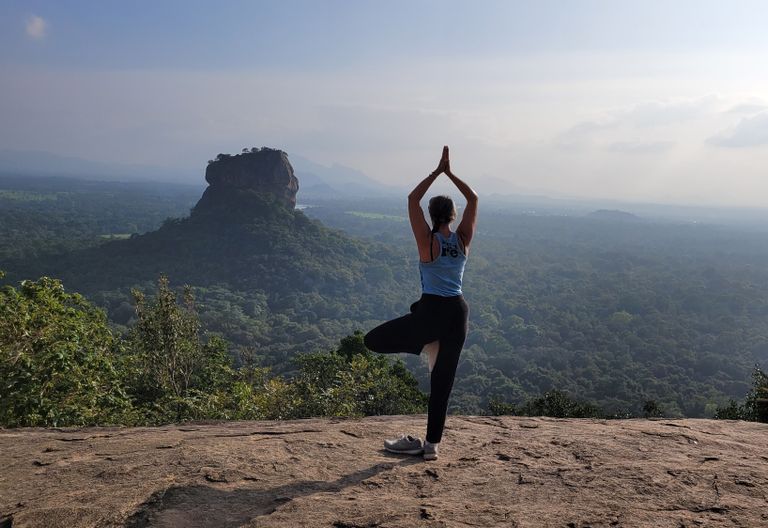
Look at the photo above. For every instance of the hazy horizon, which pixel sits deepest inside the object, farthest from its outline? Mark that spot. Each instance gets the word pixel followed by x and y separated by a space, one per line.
pixel 654 102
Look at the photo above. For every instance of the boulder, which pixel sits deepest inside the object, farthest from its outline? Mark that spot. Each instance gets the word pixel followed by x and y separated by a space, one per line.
pixel 234 182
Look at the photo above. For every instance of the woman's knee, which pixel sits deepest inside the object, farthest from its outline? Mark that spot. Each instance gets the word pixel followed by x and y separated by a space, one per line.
pixel 369 340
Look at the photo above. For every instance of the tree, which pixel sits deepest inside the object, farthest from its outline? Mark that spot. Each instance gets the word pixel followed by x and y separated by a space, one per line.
pixel 761 396
pixel 651 409
pixel 555 403
pixel 352 381
pixel 56 359
pixel 755 406
pixel 732 411
pixel 171 370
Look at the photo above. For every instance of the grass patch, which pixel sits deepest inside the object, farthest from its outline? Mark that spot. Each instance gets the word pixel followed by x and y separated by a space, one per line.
pixel 376 216
pixel 27 196
pixel 116 236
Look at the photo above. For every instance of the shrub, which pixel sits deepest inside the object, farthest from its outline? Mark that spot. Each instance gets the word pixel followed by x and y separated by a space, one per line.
pixel 57 358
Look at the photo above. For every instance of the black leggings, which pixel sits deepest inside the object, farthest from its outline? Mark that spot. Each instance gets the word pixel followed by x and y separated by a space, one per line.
pixel 432 318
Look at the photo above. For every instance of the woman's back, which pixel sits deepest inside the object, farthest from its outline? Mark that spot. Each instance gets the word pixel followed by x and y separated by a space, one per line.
pixel 444 274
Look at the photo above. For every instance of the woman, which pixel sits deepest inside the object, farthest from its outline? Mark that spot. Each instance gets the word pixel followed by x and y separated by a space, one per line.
pixel 437 323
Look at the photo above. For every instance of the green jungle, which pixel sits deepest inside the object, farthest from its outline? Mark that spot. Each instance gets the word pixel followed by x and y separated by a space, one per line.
pixel 118 306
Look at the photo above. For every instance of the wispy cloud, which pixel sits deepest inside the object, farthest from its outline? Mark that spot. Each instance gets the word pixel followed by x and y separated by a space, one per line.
pixel 36 27
pixel 646 114
pixel 748 132
pixel 639 147
pixel 659 113
pixel 747 108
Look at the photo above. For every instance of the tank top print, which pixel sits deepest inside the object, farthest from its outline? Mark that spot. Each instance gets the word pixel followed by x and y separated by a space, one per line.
pixel 443 275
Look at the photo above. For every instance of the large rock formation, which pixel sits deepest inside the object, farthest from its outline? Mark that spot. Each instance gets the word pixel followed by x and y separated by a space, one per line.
pixel 494 472
pixel 243 181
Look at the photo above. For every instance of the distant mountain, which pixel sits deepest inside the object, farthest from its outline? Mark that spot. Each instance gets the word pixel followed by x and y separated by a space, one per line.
pixel 246 247
pixel 615 215
pixel 41 163
pixel 243 229
pixel 337 181
pixel 617 312
pixel 317 180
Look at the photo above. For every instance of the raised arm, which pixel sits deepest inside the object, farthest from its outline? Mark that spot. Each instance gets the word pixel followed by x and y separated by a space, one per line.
pixel 421 230
pixel 466 229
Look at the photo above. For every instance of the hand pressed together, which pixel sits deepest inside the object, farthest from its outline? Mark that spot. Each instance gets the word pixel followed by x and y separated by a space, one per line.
pixel 445 163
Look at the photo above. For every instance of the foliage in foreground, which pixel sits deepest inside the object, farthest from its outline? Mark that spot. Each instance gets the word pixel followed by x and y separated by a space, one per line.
pixel 553 403
pixel 559 404
pixel 61 365
pixel 56 359
pixel 616 312
pixel 755 406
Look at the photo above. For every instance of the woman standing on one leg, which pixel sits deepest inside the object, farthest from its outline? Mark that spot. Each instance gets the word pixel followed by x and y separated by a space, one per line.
pixel 437 323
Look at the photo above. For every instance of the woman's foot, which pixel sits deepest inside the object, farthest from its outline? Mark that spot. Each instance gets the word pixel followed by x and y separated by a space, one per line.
pixel 432 349
pixel 405 445
pixel 430 451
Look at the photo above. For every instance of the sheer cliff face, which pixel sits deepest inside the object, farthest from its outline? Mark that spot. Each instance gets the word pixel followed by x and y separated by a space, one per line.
pixel 232 180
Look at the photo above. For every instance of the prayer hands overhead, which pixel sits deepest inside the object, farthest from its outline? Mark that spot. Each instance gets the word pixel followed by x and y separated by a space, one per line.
pixel 445 164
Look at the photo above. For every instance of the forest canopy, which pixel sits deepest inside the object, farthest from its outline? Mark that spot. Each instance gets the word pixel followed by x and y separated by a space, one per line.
pixel 614 313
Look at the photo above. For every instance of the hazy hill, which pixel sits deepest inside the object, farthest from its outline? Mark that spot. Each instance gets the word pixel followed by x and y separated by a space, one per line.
pixel 614 215
pixel 41 163
pixel 492 472
pixel 338 181
pixel 318 180
pixel 244 231
pixel 245 244
pixel 616 313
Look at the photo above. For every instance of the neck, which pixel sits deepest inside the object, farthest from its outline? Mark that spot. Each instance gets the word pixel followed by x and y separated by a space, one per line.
pixel 445 230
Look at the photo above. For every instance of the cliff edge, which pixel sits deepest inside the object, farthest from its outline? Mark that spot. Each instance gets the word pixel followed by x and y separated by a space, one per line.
pixel 507 471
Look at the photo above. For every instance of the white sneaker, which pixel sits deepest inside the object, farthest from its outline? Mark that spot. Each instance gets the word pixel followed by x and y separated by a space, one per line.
pixel 405 445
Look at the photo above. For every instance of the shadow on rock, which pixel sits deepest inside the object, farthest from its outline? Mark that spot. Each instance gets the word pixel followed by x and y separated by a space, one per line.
pixel 199 505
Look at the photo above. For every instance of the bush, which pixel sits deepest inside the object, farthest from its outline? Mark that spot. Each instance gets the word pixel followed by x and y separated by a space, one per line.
pixel 497 407
pixel 651 409
pixel 755 406
pixel 57 359
pixel 732 411
pixel 352 381
pixel 172 370
pixel 61 365
pixel 554 403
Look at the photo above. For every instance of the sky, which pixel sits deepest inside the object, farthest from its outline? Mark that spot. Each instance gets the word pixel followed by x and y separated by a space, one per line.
pixel 628 100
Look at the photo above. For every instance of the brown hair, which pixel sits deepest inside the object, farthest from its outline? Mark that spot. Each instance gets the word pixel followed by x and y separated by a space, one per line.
pixel 441 211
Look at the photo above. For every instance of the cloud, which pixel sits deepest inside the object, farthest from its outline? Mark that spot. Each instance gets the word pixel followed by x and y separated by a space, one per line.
pixel 748 132
pixel 584 130
pixel 36 27
pixel 659 113
pixel 645 114
pixel 746 108
pixel 639 147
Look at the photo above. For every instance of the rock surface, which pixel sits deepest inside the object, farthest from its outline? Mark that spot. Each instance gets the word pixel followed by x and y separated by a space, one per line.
pixel 233 179
pixel 507 471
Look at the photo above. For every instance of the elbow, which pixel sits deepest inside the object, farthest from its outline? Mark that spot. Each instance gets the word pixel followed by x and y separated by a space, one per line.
pixel 413 198
pixel 472 197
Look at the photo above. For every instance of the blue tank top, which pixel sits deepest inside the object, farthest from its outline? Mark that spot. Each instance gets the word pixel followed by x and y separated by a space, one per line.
pixel 443 275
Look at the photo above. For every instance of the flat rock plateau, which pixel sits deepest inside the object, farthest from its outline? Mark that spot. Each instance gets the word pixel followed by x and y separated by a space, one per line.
pixel 505 471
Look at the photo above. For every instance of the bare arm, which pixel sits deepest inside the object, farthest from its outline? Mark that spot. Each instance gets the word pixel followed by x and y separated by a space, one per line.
pixel 466 229
pixel 421 230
